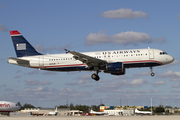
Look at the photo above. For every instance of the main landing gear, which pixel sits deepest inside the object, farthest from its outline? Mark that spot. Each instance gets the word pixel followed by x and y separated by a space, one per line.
pixel 152 74
pixel 95 76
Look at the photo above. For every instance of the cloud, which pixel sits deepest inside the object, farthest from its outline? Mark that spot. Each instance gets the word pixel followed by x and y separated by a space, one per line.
pixel 159 83
pixel 145 91
pixel 68 46
pixel 124 13
pixel 8 89
pixel 34 72
pixel 2 85
pixel 123 38
pixel 142 74
pixel 114 86
pixel 17 77
pixel 49 73
pixel 131 37
pixel 3 28
pixel 159 40
pixel 36 82
pixel 40 48
pixel 82 81
pixel 178 17
pixel 178 90
pixel 2 5
pixel 176 86
pixel 98 38
pixel 38 89
pixel 173 76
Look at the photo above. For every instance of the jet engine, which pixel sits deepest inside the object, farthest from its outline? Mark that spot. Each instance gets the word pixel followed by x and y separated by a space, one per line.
pixel 116 68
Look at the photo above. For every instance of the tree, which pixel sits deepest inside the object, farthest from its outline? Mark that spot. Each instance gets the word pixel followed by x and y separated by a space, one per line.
pixel 159 109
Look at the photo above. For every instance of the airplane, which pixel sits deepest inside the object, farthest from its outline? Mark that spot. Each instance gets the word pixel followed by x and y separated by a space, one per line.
pixel 142 112
pixel 114 62
pixel 98 113
pixel 8 107
pixel 52 113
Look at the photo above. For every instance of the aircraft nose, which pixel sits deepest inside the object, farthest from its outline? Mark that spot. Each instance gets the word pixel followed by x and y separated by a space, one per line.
pixel 171 59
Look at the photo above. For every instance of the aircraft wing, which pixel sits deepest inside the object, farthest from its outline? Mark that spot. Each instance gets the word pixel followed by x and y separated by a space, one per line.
pixel 90 61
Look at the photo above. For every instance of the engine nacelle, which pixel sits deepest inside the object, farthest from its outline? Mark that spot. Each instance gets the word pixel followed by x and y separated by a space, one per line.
pixel 115 68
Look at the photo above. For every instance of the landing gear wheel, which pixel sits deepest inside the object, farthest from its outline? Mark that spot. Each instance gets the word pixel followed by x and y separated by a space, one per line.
pixel 152 74
pixel 95 77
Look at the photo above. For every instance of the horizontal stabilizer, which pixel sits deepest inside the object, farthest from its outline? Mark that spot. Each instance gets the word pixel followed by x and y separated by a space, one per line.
pixel 18 61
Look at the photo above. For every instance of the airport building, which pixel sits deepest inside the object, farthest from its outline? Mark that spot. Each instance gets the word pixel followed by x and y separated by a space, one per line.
pixel 46 111
pixel 120 110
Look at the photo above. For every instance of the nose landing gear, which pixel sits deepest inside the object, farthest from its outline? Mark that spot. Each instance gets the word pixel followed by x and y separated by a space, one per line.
pixel 152 74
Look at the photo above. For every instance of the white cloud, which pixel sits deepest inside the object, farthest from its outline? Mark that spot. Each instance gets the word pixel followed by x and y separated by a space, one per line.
pixel 114 86
pixel 36 82
pixel 138 82
pixel 123 38
pixel 98 38
pixel 176 86
pixel 173 76
pixel 124 13
pixel 3 28
pixel 82 81
pixel 131 37
pixel 145 91
pixel 142 74
pixel 178 90
pixel 159 83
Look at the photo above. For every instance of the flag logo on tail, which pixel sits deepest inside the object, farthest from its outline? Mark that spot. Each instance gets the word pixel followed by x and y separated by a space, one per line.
pixel 21 46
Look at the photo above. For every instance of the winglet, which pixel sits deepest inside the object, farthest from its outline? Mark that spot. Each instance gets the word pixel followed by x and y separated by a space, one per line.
pixel 67 51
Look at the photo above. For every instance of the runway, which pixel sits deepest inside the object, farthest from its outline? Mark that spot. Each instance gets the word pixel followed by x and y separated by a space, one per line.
pixel 90 117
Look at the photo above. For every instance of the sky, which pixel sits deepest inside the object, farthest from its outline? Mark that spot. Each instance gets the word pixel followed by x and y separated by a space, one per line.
pixel 89 25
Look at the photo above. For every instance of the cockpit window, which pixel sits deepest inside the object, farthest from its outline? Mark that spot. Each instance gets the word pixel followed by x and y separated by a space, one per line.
pixel 163 53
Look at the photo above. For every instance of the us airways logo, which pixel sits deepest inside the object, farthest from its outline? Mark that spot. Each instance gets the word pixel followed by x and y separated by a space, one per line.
pixel 121 52
pixel 4 105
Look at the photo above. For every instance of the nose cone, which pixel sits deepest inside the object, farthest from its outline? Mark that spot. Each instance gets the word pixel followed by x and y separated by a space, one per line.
pixel 170 59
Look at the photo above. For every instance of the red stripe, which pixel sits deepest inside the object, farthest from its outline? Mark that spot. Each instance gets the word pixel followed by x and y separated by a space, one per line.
pixel 143 61
pixel 15 32
pixel 59 66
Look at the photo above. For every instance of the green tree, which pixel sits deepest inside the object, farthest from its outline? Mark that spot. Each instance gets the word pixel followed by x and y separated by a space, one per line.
pixel 159 109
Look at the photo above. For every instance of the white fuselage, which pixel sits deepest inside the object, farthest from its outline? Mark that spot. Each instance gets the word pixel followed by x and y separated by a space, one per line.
pixel 66 62
pixel 6 106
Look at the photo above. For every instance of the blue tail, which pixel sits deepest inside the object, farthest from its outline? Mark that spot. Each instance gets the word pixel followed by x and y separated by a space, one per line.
pixel 22 46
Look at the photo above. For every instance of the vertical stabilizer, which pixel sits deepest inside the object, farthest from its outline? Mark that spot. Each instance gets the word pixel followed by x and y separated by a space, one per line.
pixel 21 45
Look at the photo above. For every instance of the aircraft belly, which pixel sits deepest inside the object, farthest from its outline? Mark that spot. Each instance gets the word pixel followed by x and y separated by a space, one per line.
pixel 65 69
pixel 134 65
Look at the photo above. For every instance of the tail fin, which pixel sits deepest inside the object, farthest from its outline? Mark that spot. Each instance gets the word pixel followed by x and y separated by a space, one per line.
pixel 22 46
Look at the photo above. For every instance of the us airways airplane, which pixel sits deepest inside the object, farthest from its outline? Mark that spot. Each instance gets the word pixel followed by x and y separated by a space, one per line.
pixel 114 62
pixel 8 107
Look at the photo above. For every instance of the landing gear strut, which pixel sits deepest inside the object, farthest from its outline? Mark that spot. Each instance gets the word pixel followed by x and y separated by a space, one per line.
pixel 95 76
pixel 152 74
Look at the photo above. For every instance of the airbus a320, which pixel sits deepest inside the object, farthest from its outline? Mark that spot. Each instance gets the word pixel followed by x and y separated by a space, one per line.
pixel 113 62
